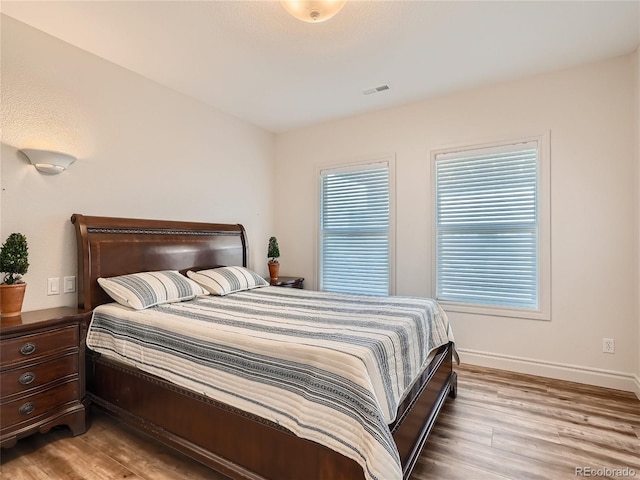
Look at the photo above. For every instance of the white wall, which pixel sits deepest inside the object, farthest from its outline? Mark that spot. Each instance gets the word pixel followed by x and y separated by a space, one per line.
pixel 144 152
pixel 590 114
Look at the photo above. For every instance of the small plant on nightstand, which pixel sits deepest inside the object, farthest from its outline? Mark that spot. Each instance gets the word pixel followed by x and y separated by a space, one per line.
pixel 14 262
pixel 273 253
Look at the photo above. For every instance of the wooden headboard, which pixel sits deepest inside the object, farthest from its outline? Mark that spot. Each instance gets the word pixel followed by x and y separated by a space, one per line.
pixel 117 246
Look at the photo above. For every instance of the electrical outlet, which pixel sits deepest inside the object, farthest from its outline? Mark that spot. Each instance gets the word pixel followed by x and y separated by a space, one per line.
pixel 608 345
pixel 53 286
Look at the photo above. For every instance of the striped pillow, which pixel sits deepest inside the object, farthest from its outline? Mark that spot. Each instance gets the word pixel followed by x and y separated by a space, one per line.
pixel 224 280
pixel 146 289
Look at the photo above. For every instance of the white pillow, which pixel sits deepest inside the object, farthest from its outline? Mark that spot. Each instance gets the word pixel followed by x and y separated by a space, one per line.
pixel 147 289
pixel 225 280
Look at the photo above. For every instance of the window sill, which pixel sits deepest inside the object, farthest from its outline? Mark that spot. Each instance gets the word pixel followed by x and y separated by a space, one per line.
pixel 495 311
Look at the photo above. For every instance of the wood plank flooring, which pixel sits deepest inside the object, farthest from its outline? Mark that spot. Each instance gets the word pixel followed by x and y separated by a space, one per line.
pixel 503 425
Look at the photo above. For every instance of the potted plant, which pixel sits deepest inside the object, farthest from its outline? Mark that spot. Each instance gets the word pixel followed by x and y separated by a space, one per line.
pixel 272 254
pixel 14 262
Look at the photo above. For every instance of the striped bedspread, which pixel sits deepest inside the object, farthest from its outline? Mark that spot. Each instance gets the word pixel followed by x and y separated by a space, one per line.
pixel 331 368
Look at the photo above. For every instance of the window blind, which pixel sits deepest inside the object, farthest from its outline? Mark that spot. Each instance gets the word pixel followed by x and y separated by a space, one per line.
pixel 354 230
pixel 487 226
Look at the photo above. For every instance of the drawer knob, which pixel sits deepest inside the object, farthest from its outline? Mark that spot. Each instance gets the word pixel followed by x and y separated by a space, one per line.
pixel 26 408
pixel 28 348
pixel 27 378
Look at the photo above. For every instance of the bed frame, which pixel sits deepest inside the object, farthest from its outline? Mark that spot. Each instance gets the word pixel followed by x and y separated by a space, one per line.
pixel 231 441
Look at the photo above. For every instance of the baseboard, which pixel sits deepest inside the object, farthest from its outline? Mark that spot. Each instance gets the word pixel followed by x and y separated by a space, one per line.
pixel 628 382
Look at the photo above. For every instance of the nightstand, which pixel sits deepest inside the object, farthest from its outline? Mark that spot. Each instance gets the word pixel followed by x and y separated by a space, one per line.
pixel 42 373
pixel 291 282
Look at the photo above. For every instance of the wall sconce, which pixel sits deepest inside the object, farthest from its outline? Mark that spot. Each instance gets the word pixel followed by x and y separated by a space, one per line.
pixel 48 161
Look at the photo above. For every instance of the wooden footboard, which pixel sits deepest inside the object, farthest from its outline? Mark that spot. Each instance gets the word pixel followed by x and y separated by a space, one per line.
pixel 418 413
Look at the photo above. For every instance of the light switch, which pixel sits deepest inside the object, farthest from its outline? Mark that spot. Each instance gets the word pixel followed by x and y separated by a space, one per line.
pixel 69 284
pixel 53 286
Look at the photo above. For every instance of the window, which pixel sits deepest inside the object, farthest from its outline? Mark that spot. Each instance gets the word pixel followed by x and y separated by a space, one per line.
pixel 491 232
pixel 354 254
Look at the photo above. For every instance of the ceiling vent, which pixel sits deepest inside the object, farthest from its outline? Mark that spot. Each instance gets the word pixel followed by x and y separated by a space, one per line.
pixel 370 91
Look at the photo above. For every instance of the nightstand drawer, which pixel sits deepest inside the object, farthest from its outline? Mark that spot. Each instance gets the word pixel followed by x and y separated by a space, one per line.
pixel 30 347
pixel 34 375
pixel 31 406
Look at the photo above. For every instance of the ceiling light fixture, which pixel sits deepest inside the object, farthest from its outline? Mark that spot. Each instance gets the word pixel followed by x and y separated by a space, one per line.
pixel 313 11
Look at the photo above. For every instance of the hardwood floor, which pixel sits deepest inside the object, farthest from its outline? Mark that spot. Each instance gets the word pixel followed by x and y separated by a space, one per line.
pixel 501 426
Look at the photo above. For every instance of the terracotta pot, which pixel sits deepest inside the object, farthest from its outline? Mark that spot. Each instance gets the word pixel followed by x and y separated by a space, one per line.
pixel 11 297
pixel 274 269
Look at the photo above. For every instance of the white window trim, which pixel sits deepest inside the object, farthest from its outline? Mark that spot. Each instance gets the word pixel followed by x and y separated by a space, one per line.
pixel 544 231
pixel 390 158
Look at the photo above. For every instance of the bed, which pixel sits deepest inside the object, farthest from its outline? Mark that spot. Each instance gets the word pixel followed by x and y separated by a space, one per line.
pixel 219 434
